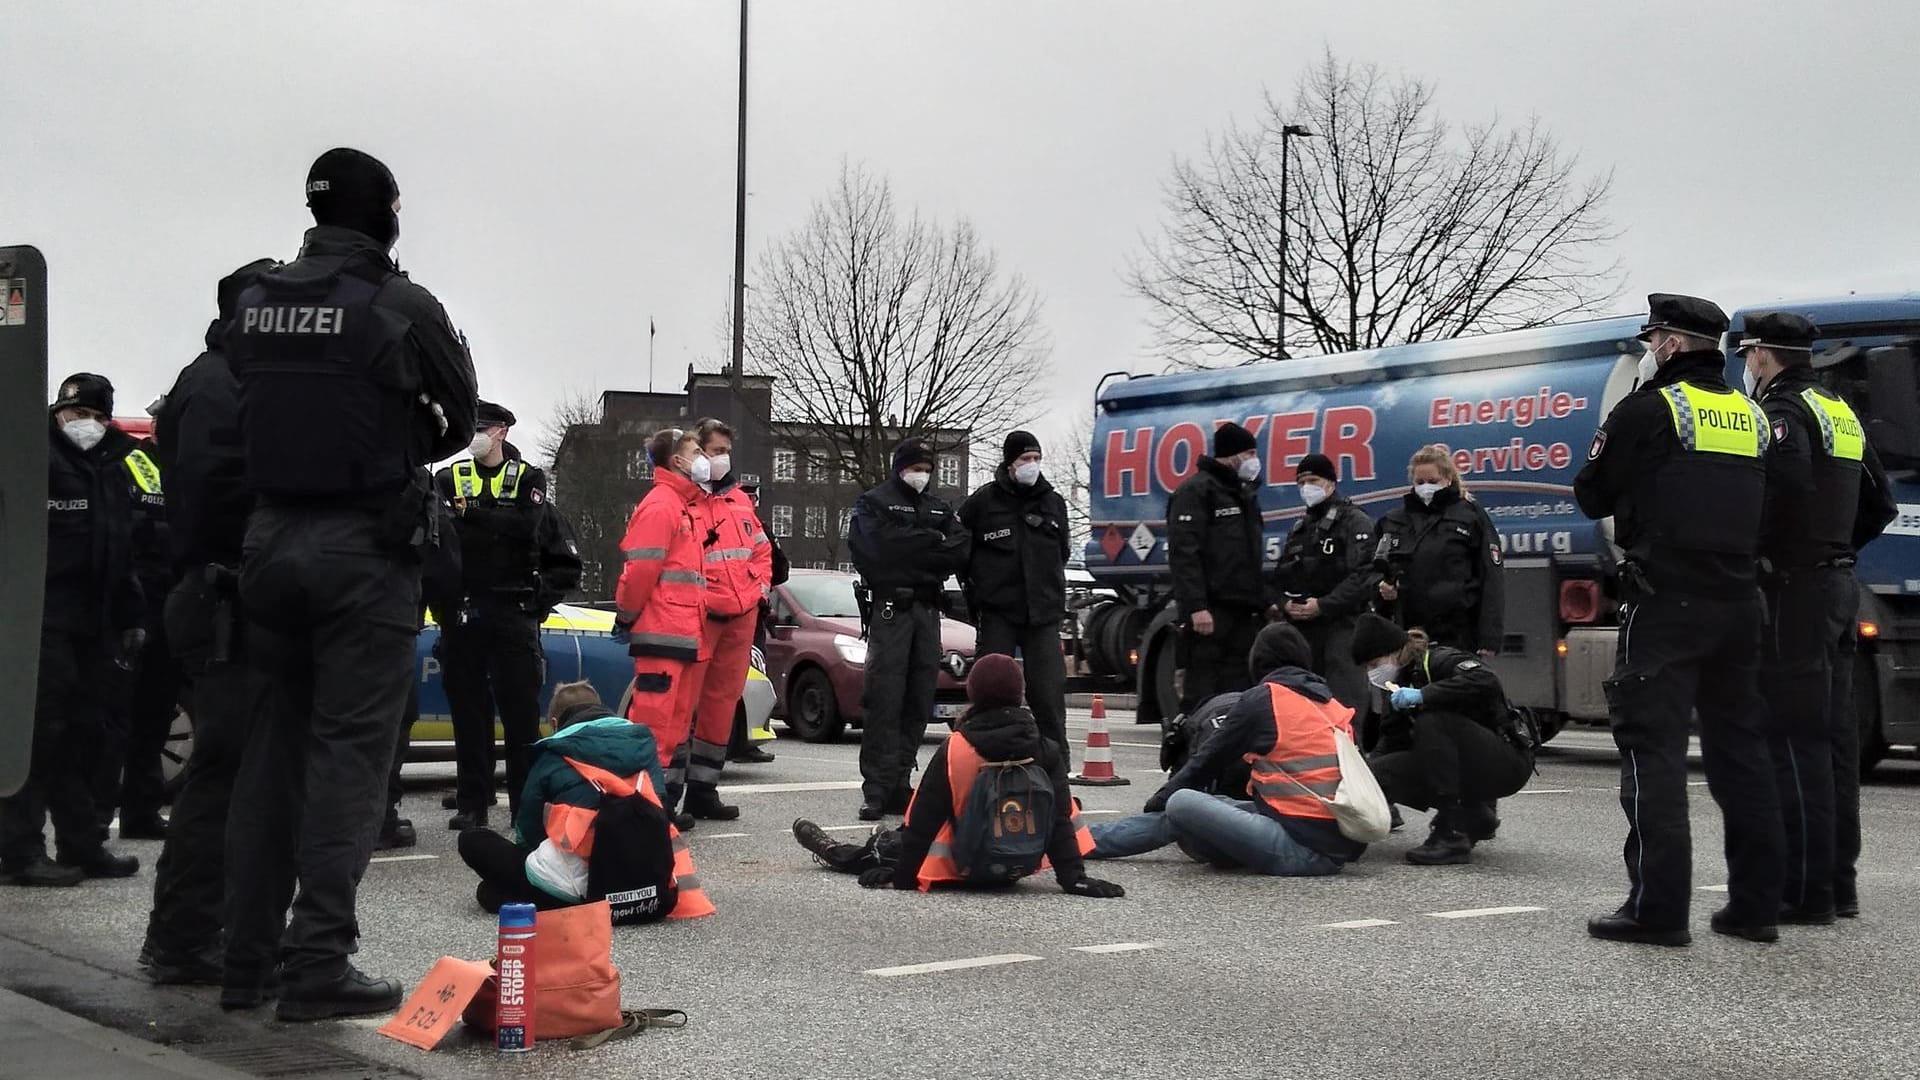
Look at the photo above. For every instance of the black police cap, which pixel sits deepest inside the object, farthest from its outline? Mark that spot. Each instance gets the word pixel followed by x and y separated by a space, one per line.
pixel 1780 330
pixel 489 413
pixel 1683 315
pixel 85 390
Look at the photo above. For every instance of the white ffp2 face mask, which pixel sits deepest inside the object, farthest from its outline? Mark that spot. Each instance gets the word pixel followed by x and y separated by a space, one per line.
pixel 481 444
pixel 1380 676
pixel 701 470
pixel 1027 474
pixel 916 480
pixel 1313 495
pixel 85 434
pixel 1250 469
pixel 1749 380
pixel 1426 492
pixel 720 465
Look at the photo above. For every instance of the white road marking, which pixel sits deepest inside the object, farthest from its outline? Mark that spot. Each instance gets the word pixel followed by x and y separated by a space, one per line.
pixel 1480 913
pixel 1138 745
pixel 402 858
pixel 1696 783
pixel 1358 924
pixel 1712 888
pixel 1119 947
pixel 1084 811
pixel 770 789
pixel 717 835
pixel 869 826
pixel 952 965
pixel 1545 791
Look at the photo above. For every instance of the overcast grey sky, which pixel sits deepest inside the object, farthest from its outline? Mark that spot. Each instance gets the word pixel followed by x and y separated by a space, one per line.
pixel 567 167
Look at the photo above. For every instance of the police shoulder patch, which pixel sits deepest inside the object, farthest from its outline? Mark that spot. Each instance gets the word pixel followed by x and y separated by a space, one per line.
pixel 537 495
pixel 1780 430
pixel 1599 445
pixel 1469 665
pixel 1494 551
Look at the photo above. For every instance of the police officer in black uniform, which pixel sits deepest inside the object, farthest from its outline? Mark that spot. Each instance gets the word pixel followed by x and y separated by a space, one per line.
pixel 1679 466
pixel 351 380
pixel 905 543
pixel 1016 576
pixel 1439 556
pixel 197 428
pixel 133 780
pixel 517 561
pixel 89 630
pixel 1325 578
pixel 1826 498
pixel 1214 536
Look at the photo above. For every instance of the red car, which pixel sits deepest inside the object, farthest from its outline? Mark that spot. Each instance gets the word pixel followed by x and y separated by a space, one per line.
pixel 816 658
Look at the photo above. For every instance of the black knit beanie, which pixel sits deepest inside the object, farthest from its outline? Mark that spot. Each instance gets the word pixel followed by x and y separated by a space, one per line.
pixel 1278 645
pixel 355 191
pixel 1375 637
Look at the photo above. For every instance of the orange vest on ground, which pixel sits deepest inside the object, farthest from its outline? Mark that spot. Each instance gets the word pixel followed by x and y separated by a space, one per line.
pixel 571 830
pixel 963 765
pixel 662 590
pixel 1304 755
pixel 740 563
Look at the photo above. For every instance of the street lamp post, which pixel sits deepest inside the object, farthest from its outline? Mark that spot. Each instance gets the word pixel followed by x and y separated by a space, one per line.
pixel 740 219
pixel 1287 135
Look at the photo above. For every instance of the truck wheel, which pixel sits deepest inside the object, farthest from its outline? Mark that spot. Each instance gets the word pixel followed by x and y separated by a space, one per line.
pixel 1163 683
pixel 1866 705
pixel 812 711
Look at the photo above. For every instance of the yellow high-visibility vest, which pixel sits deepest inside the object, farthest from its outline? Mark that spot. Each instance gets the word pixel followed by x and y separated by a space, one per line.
pixel 1841 435
pixel 1717 421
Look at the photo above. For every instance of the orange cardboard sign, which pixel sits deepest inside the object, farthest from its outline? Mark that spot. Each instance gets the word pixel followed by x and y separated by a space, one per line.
pixel 435 1007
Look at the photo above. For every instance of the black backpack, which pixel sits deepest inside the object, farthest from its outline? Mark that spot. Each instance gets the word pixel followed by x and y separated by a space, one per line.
pixel 632 863
pixel 1001 835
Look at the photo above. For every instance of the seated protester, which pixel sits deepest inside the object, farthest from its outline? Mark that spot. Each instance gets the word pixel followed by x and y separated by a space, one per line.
pixel 1284 729
pixel 1447 741
pixel 993 805
pixel 590 825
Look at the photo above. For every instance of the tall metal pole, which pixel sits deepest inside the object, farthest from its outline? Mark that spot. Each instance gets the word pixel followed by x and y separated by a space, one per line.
pixel 740 220
pixel 1286 142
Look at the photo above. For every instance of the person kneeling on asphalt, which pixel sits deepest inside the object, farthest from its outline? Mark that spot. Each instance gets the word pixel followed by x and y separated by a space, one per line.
pixel 596 769
pixel 1448 740
pixel 984 765
pixel 1284 728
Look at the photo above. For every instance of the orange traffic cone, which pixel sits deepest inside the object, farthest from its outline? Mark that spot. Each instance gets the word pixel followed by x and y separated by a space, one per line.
pixel 1096 768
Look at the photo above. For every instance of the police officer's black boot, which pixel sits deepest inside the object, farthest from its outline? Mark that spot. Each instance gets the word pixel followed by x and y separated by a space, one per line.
pixel 468 819
pixel 102 863
pixel 703 801
pixel 1478 820
pixel 40 871
pixel 352 994
pixel 396 832
pixel 1724 923
pixel 1446 845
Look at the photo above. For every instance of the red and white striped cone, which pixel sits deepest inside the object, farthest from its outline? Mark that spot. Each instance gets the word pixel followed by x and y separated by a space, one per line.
pixel 1096 767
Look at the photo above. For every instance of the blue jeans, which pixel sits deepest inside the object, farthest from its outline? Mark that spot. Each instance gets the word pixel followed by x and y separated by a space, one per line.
pixel 1214 829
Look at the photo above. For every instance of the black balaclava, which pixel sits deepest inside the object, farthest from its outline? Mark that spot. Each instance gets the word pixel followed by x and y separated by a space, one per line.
pixel 354 191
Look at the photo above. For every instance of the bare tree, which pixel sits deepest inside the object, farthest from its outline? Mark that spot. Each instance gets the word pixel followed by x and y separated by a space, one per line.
pixel 575 407
pixel 586 485
pixel 1399 228
pixel 1074 480
pixel 882 326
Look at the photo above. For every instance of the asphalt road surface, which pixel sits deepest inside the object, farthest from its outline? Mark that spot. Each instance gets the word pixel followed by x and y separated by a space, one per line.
pixel 1387 970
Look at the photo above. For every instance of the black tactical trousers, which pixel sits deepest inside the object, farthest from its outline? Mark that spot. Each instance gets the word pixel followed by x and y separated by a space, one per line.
pixel 491 665
pixel 1681 655
pixel 332 625
pixel 1045 665
pixel 226 701
pixel 155 698
pixel 1332 643
pixel 1809 636
pixel 1216 663
pixel 896 697
pixel 71 708
pixel 1454 758
pixel 402 746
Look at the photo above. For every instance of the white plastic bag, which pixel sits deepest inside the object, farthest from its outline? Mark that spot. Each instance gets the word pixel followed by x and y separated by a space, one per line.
pixel 1359 807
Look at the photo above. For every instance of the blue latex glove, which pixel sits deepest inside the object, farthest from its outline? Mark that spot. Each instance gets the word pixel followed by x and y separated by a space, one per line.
pixel 1406 698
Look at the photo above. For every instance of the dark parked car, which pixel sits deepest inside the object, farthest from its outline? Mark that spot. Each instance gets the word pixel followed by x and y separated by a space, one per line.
pixel 816 658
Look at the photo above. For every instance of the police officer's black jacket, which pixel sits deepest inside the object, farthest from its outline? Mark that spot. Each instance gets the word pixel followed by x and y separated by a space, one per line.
pixel 1329 556
pixel 1819 509
pixel 90 584
pixel 1018 566
pixel 1214 537
pixel 906 539
pixel 198 430
pixel 1620 479
pixel 152 545
pixel 1450 681
pixel 1444 557
pixel 1250 728
pixel 515 548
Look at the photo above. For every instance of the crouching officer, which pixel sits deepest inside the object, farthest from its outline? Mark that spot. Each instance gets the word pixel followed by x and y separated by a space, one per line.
pixel 351 380
pixel 1016 575
pixel 1826 497
pixel 1325 577
pixel 517 560
pixel 1678 464
pixel 905 543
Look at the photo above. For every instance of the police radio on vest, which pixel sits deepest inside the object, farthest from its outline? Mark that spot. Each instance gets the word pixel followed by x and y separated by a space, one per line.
pixel 303 319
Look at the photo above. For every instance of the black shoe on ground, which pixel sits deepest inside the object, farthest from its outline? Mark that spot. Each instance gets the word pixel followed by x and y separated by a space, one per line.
pixel 1723 924
pixel 752 755
pixel 1620 926
pixel 1793 916
pixel 184 969
pixel 352 994
pixel 683 821
pixel 826 851
pixel 468 819
pixel 144 827
pixel 704 802
pixel 249 995
pixel 398 833
pixel 1396 823
pixel 1442 849
pixel 1478 821
pixel 103 864
pixel 41 872
pixel 1846 903
pixel 872 811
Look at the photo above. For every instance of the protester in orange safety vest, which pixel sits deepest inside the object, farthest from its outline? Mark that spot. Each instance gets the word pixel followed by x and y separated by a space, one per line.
pixel 662 592
pixel 591 756
pixel 997 728
pixel 1283 728
pixel 739 568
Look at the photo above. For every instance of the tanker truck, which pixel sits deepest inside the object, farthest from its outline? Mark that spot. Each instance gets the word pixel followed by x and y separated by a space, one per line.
pixel 1518 410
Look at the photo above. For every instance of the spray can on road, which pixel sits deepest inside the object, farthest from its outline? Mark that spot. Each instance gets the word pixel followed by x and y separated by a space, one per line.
pixel 513 1019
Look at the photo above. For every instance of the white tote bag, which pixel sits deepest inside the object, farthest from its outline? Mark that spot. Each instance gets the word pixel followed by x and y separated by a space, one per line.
pixel 1358 805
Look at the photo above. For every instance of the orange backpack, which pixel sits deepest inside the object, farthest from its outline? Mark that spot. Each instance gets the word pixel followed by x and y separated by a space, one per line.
pixel 576 987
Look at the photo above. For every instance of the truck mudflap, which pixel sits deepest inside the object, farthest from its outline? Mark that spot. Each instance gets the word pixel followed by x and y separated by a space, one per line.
pixel 1585 670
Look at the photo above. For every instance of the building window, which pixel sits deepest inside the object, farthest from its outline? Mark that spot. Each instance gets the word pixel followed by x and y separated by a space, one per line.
pixel 816 471
pixel 638 467
pixel 783 466
pixel 819 566
pixel 846 521
pixel 783 521
pixel 847 568
pixel 816 521
pixel 950 471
